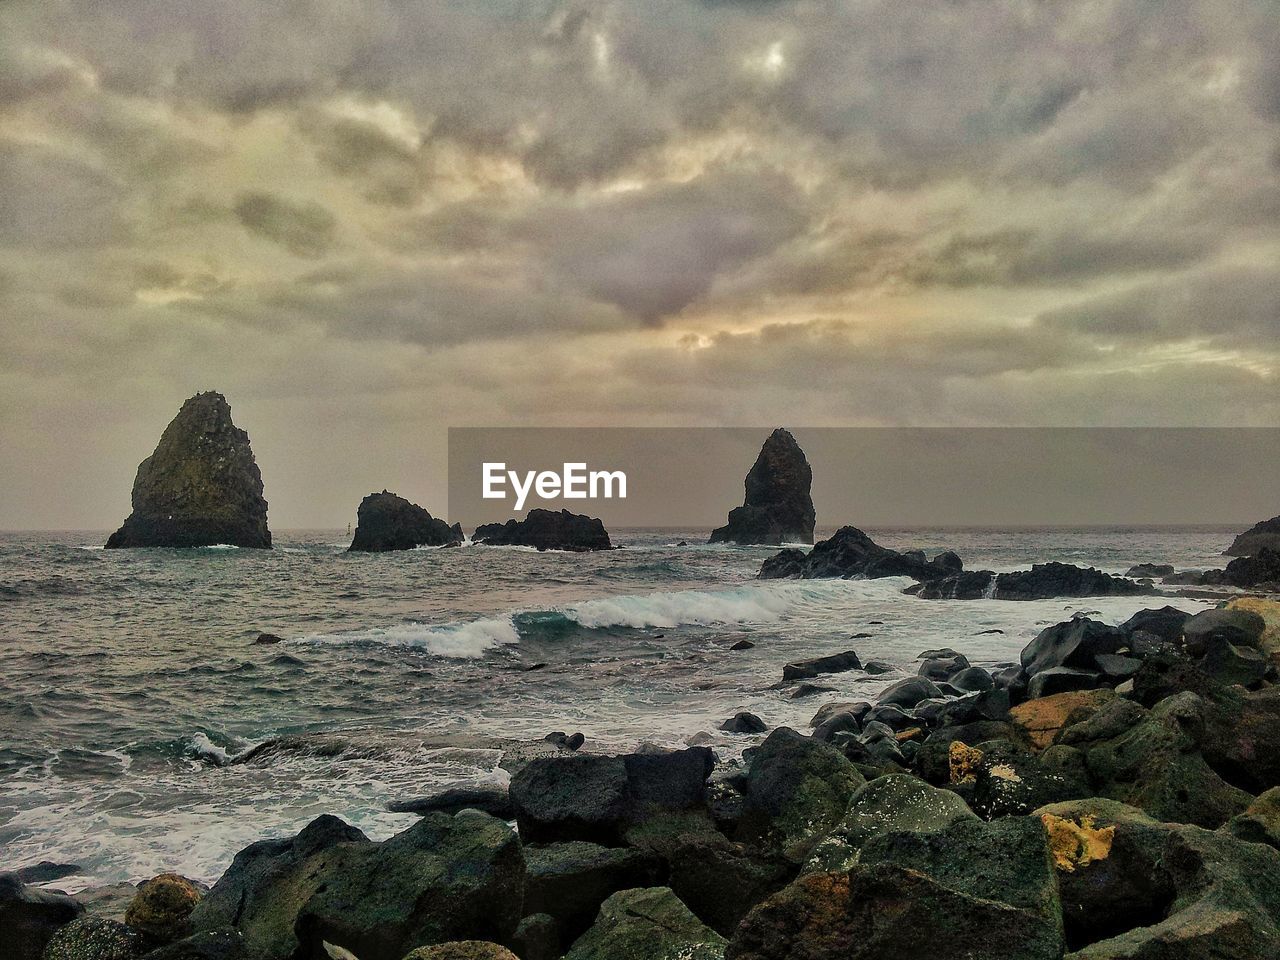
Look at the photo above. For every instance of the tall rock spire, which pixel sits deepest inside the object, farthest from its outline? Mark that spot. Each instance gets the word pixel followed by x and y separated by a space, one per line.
pixel 778 507
pixel 200 487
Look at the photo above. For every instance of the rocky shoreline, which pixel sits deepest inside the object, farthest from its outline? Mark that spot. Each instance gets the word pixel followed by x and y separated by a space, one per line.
pixel 1113 794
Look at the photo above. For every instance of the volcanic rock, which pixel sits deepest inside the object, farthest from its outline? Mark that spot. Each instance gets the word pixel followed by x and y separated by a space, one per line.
pixel 201 487
pixel 1252 541
pixel 1043 581
pixel 385 522
pixel 778 508
pixel 547 530
pixel 851 553
pixel 29 917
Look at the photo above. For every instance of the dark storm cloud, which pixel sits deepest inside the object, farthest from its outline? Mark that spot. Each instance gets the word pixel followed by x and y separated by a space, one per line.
pixel 422 213
pixel 304 228
pixel 1237 306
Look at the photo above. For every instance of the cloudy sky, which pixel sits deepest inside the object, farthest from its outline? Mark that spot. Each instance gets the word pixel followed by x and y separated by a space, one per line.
pixel 365 221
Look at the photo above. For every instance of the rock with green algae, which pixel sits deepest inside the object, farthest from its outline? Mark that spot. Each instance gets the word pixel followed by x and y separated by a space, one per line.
pixel 892 803
pixel 1260 823
pixel 201 487
pixel 884 910
pixel 797 790
pixel 444 878
pixel 161 909
pixel 647 924
pixel 462 950
pixel 94 938
pixel 1151 890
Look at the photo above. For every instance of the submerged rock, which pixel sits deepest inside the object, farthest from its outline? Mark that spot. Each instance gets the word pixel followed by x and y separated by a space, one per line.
pixel 201 487
pixel 547 530
pixel 1043 581
pixel 1265 534
pixel 385 522
pixel 778 507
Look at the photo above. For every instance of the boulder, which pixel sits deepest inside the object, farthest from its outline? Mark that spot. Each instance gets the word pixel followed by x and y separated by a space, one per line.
pixel 744 722
pixel 30 917
pixel 201 487
pixel 1043 581
pixel 909 692
pixel 1241 740
pixel 161 909
pixel 547 530
pixel 1269 611
pixel 1262 535
pixel 1074 643
pixel 720 881
pixel 1116 668
pixel 1157 766
pixel 94 938
pixel 387 522
pixel 778 507
pixel 537 938
pixel 882 910
pixel 1135 888
pixel 1232 665
pixel 463 950
pixel 940 668
pixel 1042 720
pixel 491 798
pixel 851 553
pixel 596 798
pixel 893 803
pixel 1237 626
pixel 649 923
pixel 445 878
pixel 569 881
pixel 833 663
pixel 224 944
pixel 1165 622
pixel 1260 822
pixel 972 680
pixel 1061 680
pixel 797 789
pixel 1009 781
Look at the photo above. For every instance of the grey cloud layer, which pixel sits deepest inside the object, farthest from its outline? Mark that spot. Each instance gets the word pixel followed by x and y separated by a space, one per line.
pixel 622 211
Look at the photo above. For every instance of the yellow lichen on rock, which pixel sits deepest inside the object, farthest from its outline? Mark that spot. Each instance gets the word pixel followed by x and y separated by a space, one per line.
pixel 963 761
pixel 1269 611
pixel 1077 844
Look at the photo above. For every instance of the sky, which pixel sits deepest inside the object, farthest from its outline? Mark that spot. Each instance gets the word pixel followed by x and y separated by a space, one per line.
pixel 365 222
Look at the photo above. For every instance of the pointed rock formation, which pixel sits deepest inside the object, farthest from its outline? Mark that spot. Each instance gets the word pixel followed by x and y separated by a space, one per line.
pixel 387 522
pixel 200 487
pixel 1264 534
pixel 778 508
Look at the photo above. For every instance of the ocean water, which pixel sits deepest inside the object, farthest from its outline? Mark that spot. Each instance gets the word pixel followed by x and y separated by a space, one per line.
pixel 129 681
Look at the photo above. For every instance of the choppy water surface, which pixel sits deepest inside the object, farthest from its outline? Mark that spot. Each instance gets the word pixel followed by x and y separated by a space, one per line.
pixel 128 679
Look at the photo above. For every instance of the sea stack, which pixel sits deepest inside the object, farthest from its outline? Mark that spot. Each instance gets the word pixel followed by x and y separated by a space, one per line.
pixel 201 486
pixel 385 522
pixel 778 507
pixel 1251 542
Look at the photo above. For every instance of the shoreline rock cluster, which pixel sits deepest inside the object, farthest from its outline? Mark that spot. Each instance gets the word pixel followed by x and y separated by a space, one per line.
pixel 1115 793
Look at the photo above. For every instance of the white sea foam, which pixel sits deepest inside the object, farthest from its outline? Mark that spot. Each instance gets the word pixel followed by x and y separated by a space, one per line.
pixel 462 640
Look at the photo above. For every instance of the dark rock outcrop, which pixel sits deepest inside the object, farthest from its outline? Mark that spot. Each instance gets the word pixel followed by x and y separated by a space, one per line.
pixel 569 881
pixel 778 508
pixel 1261 568
pixel 445 878
pixel 851 553
pixel 385 522
pixel 644 924
pixel 201 486
pixel 1043 581
pixel 30 917
pixel 1252 541
pixel 832 663
pixel 547 530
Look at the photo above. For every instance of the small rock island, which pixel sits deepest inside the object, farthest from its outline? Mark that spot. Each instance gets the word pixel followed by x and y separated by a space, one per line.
pixel 201 487
pixel 547 530
pixel 1265 534
pixel 778 507
pixel 386 522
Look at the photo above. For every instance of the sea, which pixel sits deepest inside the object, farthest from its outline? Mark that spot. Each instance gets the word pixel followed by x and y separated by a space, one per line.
pixel 131 688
